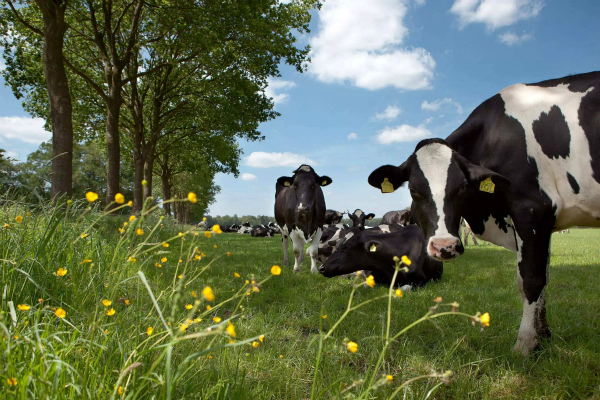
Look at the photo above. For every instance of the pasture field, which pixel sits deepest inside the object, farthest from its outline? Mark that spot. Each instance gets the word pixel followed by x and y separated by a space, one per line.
pixel 89 354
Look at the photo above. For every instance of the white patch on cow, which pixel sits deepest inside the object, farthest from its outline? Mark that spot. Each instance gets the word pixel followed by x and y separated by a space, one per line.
pixel 305 168
pixel 348 236
pixel 406 288
pixel 434 160
pixel 358 213
pixel 313 250
pixel 384 228
pixel 298 241
pixel 492 233
pixel 525 104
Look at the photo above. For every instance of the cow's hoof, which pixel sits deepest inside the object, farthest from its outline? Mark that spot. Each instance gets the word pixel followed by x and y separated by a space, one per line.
pixel 314 270
pixel 296 270
pixel 406 288
pixel 525 346
pixel 286 263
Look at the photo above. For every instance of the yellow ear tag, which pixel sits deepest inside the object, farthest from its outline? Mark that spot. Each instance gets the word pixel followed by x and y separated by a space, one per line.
pixel 386 186
pixel 373 248
pixel 324 183
pixel 487 186
pixel 370 217
pixel 286 184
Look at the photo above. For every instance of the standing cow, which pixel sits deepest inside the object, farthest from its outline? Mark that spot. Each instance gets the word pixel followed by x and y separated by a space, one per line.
pixel 359 218
pixel 300 211
pixel 525 163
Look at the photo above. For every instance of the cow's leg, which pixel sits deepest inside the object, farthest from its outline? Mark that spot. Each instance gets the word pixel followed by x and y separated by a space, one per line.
pixel 313 250
pixel 298 243
pixel 284 240
pixel 532 277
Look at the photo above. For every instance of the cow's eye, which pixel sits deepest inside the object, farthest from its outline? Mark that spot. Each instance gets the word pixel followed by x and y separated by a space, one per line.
pixel 413 192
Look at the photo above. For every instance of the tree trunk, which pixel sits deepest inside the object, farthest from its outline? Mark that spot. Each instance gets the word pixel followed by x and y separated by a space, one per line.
pixel 166 187
pixel 59 96
pixel 148 168
pixel 113 146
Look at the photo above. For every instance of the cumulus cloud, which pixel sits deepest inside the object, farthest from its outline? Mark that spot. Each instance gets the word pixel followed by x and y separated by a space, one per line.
pixel 261 159
pixel 30 130
pixel 390 113
pixel 352 136
pixel 437 104
pixel 360 42
pixel 511 39
pixel 274 88
pixel 403 133
pixel 247 177
pixel 495 13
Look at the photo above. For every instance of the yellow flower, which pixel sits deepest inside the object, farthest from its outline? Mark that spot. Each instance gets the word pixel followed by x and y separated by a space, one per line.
pixel 180 234
pixel 127 302
pixel 61 272
pixel 130 203
pixel 406 260
pixel 11 381
pixel 204 219
pixel 485 319
pixel 352 347
pixel 180 261
pixel 324 316
pixel 217 319
pixel 83 235
pixel 215 246
pixel 18 218
pixel 158 265
pixel 208 308
pixel 29 214
pixel 165 244
pixel 192 197
pixel 370 281
pixel 131 259
pixel 106 331
pixel 106 302
pixel 236 274
pixel 180 276
pixel 203 255
pixel 183 327
pixel 121 230
pixel 194 293
pixel 398 292
pixel 132 218
pixel 197 320
pixel 261 338
pixel 149 330
pixel 197 257
pixel 216 229
pixel 188 306
pixel 389 378
pixel 281 356
pixel 208 294
pixel 23 307
pixel 120 390
pixel 276 270
pixel 396 259
pixel 144 182
pixel 207 234
pixel 60 313
pixel 119 198
pixel 91 196
pixel 228 254
pixel 111 312
pixel 164 259
pixel 255 344
pixel 139 231
pixel 231 330
pixel 85 261
pixel 125 223
pixel 438 299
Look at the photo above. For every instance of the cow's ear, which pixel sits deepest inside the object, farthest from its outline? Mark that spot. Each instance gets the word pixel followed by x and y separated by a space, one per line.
pixel 485 179
pixel 370 216
pixel 388 178
pixel 285 181
pixel 372 246
pixel 324 180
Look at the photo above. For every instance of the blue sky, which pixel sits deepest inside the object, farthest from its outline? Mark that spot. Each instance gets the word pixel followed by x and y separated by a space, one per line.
pixel 385 74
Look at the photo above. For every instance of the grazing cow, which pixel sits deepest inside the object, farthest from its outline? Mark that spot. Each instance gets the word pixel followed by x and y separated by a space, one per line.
pixel 333 217
pixel 300 211
pixel 375 251
pixel 525 163
pixel 245 228
pixel 401 217
pixel 358 218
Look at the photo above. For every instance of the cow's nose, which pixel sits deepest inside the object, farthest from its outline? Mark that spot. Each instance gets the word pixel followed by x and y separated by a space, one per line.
pixel 322 269
pixel 303 210
pixel 445 248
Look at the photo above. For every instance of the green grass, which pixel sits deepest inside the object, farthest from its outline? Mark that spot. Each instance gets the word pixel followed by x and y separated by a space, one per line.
pixel 80 360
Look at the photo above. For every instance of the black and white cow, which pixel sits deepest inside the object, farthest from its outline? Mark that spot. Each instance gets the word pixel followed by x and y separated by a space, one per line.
pixel 274 228
pixel 300 212
pixel 245 228
pixel 359 218
pixel 333 217
pixel 260 231
pixel 525 163
pixel 375 251
pixel 401 217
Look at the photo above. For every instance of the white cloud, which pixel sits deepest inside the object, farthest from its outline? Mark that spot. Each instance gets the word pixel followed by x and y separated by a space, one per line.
pixel 247 177
pixel 404 133
pixel 359 42
pixel 11 154
pixel 510 39
pixel 352 136
pixel 435 105
pixel 277 85
pixel 495 13
pixel 390 113
pixel 30 130
pixel 261 159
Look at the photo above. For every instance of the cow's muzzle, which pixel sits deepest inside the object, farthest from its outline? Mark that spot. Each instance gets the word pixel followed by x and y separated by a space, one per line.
pixel 445 248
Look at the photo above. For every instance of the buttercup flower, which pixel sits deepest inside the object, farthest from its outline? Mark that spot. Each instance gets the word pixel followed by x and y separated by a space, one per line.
pixel 11 381
pixel 106 302
pixel 164 259
pixel 406 260
pixel 188 306
pixel 61 272
pixel 119 198
pixel 149 331
pixel 121 230
pixel 324 316
pixel 276 270
pixel 132 259
pixel 207 234
pixel 370 281
pixel 255 344
pixel 485 319
pixel 438 299
pixel 217 319
pixel 236 274
pixel 215 246
pixel 144 182
pixel 216 229
pixel 120 390
pixel 23 307
pixel 85 261
pixel 204 219
pixel 208 307
pixel 192 197
pixel 352 347
pixel 194 293
pixel 111 312
pixel 231 330
pixel 208 293
pixel 389 378
pixel 127 302
pixel 83 235
pixel 228 254
pixel 165 244
pixel 18 218
pixel 91 196
pixel 130 203
pixel 197 257
pixel 261 338
pixel 183 327
pixel 139 231
pixel 398 292
pixel 60 313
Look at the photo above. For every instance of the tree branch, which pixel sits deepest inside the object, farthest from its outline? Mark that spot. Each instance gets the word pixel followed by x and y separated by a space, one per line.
pixel 21 20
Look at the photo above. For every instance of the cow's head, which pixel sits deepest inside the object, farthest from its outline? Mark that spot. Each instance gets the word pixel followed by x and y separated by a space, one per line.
pixel 442 185
pixel 306 184
pixel 358 218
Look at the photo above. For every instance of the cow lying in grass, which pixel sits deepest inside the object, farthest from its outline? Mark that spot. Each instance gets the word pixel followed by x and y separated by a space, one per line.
pixel 374 251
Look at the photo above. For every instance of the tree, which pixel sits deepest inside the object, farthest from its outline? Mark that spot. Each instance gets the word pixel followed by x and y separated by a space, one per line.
pixel 52 33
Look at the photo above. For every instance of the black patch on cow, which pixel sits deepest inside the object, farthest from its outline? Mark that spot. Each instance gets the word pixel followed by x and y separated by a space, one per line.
pixel 577 83
pixel 552 133
pixel 573 183
pixel 589 119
